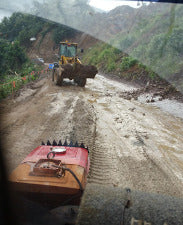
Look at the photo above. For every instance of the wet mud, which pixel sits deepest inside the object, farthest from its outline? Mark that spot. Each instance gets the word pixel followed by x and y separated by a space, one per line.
pixel 132 144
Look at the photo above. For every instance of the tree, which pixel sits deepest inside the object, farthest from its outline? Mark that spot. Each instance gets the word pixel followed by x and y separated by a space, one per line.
pixel 12 56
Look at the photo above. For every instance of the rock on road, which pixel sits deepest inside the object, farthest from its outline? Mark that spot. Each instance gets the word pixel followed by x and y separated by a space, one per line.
pixel 131 144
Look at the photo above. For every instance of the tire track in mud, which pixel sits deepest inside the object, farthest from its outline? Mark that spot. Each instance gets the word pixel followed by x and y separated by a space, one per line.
pixel 122 136
pixel 103 167
pixel 68 123
pixel 59 124
pixel 53 113
pixel 83 123
pixel 122 155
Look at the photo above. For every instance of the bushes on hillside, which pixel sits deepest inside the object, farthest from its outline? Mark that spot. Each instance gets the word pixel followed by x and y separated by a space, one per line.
pixel 62 32
pixel 21 27
pixel 175 41
pixel 12 57
pixel 127 62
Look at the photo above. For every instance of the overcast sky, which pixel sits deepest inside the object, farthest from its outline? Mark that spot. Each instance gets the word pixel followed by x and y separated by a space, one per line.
pixel 108 5
pixel 4 13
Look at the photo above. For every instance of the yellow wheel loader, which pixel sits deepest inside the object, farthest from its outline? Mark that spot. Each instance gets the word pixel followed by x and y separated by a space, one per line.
pixel 70 66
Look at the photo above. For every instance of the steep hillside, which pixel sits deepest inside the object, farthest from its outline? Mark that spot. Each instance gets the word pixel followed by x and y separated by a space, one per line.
pixel 48 49
pixel 152 35
pixel 25 38
pixel 23 27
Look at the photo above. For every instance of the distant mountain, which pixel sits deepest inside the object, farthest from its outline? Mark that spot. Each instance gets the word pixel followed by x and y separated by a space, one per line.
pixel 125 9
pixel 151 34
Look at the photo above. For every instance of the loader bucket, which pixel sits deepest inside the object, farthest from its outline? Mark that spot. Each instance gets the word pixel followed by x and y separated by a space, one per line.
pixel 78 71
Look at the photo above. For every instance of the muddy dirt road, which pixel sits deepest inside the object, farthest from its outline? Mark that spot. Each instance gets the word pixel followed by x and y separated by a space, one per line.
pixel 131 144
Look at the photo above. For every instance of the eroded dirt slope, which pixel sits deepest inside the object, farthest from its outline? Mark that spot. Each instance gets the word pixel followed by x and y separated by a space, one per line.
pixel 131 144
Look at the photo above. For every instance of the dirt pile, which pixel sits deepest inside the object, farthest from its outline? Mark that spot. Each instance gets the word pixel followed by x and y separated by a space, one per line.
pixel 158 89
pixel 158 92
pixel 43 48
pixel 78 70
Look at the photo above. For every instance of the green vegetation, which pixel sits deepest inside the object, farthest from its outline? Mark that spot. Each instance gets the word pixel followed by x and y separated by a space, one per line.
pixel 12 57
pixel 6 89
pixel 103 56
pixel 19 81
pixel 127 63
pixel 111 60
pixel 15 34
pixel 22 27
pixel 156 40
pixel 61 32
pixel 13 60
pixel 151 40
pixel 14 65
pixel 151 46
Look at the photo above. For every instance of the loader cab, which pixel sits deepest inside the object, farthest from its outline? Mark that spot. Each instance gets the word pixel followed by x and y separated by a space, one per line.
pixel 68 49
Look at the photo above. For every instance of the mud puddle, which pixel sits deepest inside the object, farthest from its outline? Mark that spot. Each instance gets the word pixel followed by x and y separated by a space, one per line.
pixel 131 144
pixel 170 106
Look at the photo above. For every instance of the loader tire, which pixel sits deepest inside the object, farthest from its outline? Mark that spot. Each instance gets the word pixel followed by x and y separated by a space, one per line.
pixel 81 82
pixel 53 75
pixel 56 78
pixel 60 78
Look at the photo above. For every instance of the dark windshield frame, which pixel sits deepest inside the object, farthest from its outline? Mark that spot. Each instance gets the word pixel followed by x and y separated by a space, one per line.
pixel 68 50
